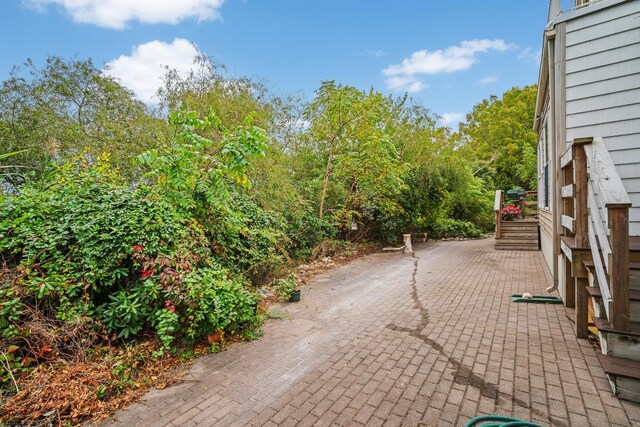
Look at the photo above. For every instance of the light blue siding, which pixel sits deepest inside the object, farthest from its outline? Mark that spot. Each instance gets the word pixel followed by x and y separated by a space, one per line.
pixel 603 89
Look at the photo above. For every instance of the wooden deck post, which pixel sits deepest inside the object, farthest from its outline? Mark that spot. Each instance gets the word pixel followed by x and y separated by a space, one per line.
pixel 497 207
pixel 581 194
pixel 619 266
pixel 582 308
pixel 569 283
pixel 569 210
pixel 581 232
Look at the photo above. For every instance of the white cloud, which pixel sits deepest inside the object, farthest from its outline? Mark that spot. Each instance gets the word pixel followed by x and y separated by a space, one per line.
pixel 117 13
pixel 449 60
pixel 405 83
pixel 376 53
pixel 448 119
pixel 487 80
pixel 142 71
pixel 530 55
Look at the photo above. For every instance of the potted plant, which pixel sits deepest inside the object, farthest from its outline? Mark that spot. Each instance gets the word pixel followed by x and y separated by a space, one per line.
pixel 295 296
pixel 287 288
pixel 509 212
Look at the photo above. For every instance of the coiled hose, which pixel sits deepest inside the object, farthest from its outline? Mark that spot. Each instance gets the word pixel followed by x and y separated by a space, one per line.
pixel 498 421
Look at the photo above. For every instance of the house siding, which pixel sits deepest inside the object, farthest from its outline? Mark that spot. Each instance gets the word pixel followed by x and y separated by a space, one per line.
pixel 546 236
pixel 603 89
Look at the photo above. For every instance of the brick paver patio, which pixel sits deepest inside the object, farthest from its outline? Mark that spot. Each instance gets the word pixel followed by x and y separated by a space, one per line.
pixel 395 340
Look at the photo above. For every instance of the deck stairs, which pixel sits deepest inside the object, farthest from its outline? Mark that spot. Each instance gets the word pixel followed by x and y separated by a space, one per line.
pixel 602 261
pixel 620 356
pixel 520 234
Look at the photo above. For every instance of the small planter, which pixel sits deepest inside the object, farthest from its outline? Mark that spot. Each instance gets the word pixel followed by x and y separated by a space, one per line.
pixel 510 212
pixel 295 296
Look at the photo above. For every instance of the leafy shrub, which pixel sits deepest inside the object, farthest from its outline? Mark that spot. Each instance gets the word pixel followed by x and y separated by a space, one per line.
pixel 206 180
pixel 287 285
pixel 447 227
pixel 247 239
pixel 306 231
pixel 86 249
pixel 214 302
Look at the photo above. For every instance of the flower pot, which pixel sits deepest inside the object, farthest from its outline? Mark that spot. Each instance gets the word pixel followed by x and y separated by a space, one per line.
pixel 215 337
pixel 295 296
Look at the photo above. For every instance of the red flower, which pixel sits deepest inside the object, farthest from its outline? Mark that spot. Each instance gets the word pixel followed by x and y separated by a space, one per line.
pixel 137 248
pixel 169 305
pixel 510 211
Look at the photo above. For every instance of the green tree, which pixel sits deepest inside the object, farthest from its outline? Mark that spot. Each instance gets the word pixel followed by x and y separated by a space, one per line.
pixel 440 186
pixel 206 89
pixel 356 160
pixel 498 138
pixel 69 107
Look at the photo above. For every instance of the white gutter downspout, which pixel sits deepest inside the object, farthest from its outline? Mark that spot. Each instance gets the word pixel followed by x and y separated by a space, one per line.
pixel 551 35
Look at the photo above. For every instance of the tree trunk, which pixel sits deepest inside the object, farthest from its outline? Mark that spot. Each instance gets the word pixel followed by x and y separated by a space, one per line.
pixel 325 183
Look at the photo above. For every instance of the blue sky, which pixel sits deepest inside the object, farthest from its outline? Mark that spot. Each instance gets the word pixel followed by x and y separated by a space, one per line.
pixel 449 54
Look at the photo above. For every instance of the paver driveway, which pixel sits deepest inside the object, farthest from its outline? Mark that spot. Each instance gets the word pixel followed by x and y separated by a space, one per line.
pixel 391 340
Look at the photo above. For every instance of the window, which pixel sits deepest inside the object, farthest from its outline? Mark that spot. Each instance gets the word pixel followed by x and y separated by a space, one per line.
pixel 544 181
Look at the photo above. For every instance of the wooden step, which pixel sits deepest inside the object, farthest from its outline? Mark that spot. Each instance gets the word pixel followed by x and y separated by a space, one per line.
pixel 624 376
pixel 619 366
pixel 634 249
pixel 604 326
pixel 519 229
pixel 634 301
pixel 614 342
pixel 633 265
pixel 595 292
pixel 524 223
pixel 516 247
pixel 519 232
pixel 634 273
pixel 522 237
pixel 516 240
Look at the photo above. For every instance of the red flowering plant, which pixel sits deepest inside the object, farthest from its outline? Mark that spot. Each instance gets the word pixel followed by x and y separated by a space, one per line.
pixel 509 212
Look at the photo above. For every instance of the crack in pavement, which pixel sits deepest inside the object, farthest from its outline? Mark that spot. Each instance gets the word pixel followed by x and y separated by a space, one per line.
pixel 464 375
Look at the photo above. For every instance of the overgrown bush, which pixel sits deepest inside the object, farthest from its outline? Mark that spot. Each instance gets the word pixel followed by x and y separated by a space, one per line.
pixel 87 257
pixel 446 227
pixel 247 239
pixel 305 232
pixel 207 180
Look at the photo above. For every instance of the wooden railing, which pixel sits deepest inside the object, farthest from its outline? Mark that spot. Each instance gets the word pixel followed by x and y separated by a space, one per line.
pixel 497 207
pixel 529 205
pixel 579 4
pixel 594 199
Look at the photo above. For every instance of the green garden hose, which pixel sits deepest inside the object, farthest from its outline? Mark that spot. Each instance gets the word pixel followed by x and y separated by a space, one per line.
pixel 498 421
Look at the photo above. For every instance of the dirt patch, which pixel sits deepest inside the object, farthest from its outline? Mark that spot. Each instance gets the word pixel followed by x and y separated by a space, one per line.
pixel 110 378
